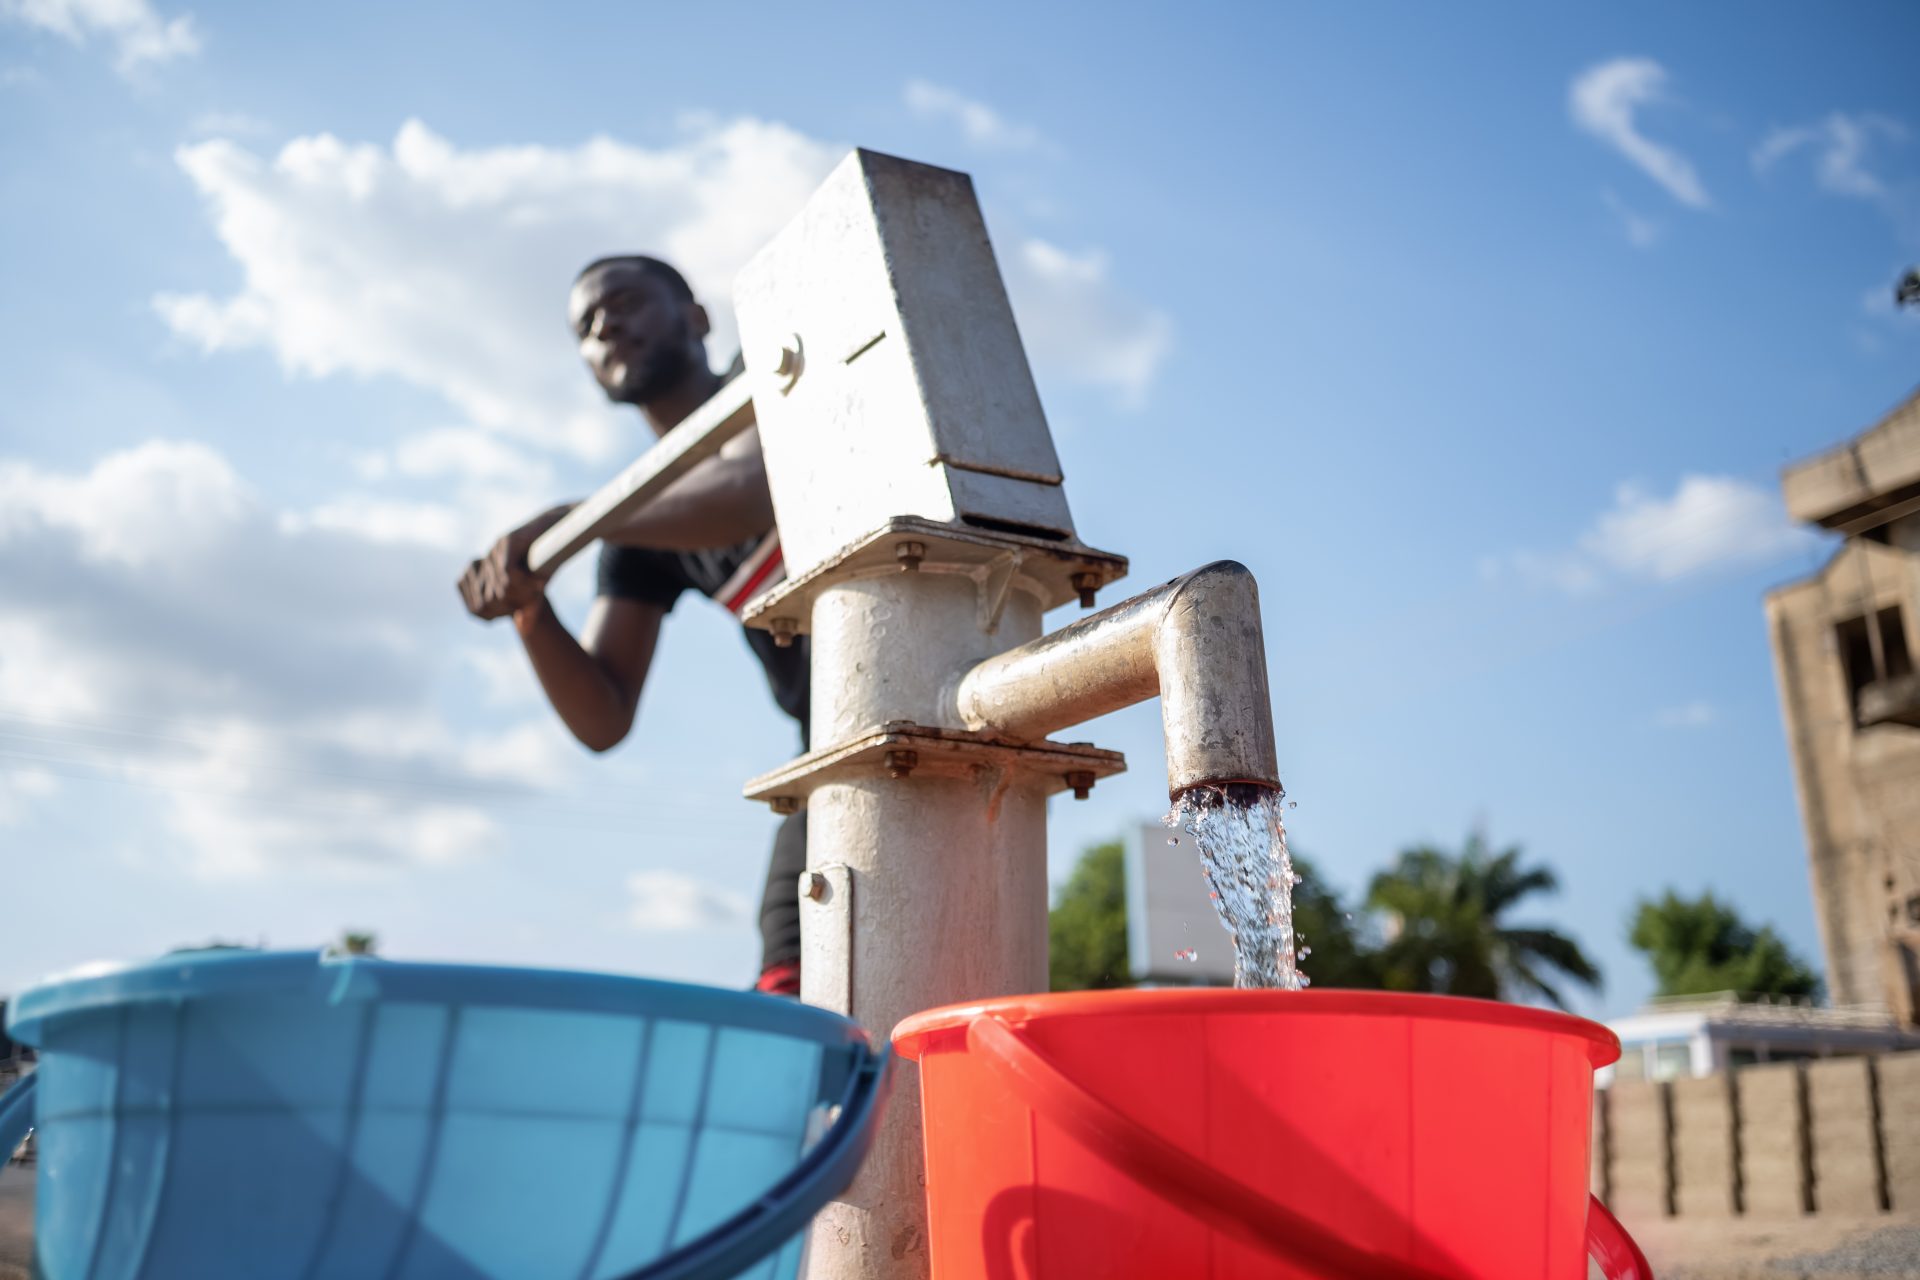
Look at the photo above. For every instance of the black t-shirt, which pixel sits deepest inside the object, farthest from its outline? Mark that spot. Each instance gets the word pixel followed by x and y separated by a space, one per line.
pixel 732 576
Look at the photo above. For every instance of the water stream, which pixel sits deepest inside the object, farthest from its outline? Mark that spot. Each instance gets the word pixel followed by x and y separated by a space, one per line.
pixel 1242 841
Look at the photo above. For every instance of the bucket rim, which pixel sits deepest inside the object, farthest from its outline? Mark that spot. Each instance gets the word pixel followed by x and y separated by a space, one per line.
pixel 330 978
pixel 922 1033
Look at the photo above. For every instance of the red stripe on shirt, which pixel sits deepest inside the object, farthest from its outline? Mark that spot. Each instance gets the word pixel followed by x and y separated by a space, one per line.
pixel 773 564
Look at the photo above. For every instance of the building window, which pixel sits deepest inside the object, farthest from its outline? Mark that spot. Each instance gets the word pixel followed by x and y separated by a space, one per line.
pixel 1863 666
pixel 1671 1062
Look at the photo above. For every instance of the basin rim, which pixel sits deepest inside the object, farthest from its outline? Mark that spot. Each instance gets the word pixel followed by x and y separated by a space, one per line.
pixel 935 1029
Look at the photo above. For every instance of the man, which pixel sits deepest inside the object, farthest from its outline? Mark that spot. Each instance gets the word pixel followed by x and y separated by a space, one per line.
pixel 644 338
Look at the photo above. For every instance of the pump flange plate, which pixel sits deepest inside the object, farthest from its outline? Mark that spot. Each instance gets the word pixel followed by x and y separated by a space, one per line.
pixel 1064 766
pixel 1061 571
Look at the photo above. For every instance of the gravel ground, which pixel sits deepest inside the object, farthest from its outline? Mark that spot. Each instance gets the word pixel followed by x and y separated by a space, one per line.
pixel 1813 1248
pixel 16 1221
pixel 1736 1249
pixel 1890 1251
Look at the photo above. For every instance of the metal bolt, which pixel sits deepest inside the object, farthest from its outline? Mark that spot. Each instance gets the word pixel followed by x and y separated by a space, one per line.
pixel 910 554
pixel 784 804
pixel 1082 783
pixel 814 885
pixel 785 362
pixel 1086 584
pixel 901 762
pixel 784 630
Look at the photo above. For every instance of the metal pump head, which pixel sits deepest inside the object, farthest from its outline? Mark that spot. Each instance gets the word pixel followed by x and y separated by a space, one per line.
pixel 889 379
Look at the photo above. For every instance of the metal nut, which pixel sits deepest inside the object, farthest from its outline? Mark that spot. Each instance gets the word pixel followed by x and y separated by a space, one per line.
pixel 786 362
pixel 784 630
pixel 910 554
pixel 901 762
pixel 1086 584
pixel 814 885
pixel 784 804
pixel 1082 783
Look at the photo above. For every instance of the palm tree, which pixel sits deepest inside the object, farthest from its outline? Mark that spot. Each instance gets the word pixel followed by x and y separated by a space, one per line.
pixel 1446 932
pixel 1701 945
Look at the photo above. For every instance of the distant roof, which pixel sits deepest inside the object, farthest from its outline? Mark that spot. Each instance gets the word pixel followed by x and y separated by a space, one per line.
pixel 1725 1011
pixel 1868 481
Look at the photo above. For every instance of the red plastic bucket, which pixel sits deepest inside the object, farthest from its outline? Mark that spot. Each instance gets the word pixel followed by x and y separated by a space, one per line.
pixel 1237 1134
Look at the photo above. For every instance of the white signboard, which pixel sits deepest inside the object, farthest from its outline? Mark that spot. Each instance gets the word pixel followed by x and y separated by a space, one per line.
pixel 1174 936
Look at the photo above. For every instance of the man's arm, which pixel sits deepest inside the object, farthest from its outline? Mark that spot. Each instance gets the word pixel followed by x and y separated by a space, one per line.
pixel 721 502
pixel 594 685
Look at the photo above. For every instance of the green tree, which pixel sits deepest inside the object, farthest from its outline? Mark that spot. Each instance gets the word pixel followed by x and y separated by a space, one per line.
pixel 1447 930
pixel 1701 945
pixel 1087 928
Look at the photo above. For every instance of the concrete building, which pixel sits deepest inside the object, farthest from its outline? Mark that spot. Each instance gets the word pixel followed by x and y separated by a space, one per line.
pixel 1691 1037
pixel 1844 643
pixel 1174 936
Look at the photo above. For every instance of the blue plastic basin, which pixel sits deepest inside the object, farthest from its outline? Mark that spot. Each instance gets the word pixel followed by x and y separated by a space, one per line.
pixel 255 1116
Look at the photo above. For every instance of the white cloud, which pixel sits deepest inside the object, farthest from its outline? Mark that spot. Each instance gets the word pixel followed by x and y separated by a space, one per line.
pixel 674 901
pixel 504 677
pixel 982 125
pixel 268 682
pixel 1709 522
pixel 1688 715
pixel 1641 232
pixel 1605 100
pixel 1840 144
pixel 1076 321
pixel 20 786
pixel 426 524
pixel 139 35
pixel 447 267
pixel 461 453
pixel 160 498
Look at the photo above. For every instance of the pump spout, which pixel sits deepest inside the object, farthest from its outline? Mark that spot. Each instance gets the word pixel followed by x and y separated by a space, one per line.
pixel 1195 641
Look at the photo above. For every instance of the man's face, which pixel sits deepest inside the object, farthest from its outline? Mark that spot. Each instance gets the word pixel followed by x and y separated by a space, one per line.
pixel 636 336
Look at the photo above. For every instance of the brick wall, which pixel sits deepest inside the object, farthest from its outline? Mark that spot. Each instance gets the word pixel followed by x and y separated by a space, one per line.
pixel 1837 1136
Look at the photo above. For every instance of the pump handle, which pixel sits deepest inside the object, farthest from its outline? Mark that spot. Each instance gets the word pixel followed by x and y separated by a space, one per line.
pixel 700 435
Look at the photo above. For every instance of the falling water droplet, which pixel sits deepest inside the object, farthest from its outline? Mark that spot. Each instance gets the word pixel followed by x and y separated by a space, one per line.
pixel 1241 839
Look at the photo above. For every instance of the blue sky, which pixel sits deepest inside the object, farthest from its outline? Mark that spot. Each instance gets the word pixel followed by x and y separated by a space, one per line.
pixel 1479 334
